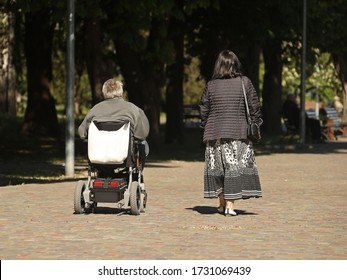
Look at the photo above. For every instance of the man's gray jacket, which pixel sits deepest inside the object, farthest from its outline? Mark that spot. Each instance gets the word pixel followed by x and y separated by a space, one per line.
pixel 117 109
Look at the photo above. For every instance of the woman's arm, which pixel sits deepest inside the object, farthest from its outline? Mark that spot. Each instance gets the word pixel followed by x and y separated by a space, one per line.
pixel 204 107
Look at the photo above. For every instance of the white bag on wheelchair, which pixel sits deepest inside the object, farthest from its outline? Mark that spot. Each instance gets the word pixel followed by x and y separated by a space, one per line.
pixel 108 147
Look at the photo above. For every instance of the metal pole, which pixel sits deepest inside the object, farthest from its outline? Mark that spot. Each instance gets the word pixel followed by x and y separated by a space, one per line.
pixel 70 118
pixel 303 78
pixel 317 91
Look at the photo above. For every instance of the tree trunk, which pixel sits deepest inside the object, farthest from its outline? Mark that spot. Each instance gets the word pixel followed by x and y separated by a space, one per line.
pixel 174 90
pixel 155 76
pixel 141 87
pixel 143 72
pixel 132 71
pixel 272 89
pixel 340 62
pixel 7 69
pixel 253 61
pixel 40 116
pixel 152 96
pixel 174 101
pixel 93 57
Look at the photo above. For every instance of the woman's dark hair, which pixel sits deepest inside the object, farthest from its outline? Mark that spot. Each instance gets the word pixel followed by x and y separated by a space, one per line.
pixel 227 66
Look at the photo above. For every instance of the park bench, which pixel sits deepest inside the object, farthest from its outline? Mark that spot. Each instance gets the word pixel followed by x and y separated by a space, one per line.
pixel 333 127
pixel 330 130
pixel 191 113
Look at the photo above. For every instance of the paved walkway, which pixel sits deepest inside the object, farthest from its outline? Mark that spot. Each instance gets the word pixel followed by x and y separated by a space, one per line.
pixel 303 215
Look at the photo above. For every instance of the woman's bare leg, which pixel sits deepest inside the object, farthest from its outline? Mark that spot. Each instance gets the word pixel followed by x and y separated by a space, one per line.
pixel 221 200
pixel 221 207
pixel 229 208
pixel 229 204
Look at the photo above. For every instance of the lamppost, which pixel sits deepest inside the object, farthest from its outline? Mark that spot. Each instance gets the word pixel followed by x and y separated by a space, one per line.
pixel 70 118
pixel 303 78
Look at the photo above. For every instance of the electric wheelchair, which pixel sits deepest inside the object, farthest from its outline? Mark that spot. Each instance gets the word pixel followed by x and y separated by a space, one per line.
pixel 115 165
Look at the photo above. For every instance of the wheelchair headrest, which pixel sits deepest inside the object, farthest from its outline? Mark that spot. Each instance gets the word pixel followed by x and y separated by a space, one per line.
pixel 108 142
pixel 108 125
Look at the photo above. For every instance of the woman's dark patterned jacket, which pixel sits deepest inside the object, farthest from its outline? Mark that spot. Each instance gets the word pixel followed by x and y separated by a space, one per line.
pixel 223 111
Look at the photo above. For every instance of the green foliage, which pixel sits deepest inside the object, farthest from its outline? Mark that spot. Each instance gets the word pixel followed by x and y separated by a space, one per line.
pixel 193 84
pixel 327 23
pixel 261 74
pixel 56 9
pixel 291 58
pixel 209 25
pixel 322 78
pixel 192 6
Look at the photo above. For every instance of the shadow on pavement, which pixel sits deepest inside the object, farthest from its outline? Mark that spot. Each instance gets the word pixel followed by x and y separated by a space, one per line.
pixel 244 213
pixel 42 160
pixel 209 210
pixel 205 210
pixel 104 210
pixel 23 178
pixel 329 147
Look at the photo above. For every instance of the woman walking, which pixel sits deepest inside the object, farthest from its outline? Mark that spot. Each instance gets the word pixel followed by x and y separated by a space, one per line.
pixel 230 171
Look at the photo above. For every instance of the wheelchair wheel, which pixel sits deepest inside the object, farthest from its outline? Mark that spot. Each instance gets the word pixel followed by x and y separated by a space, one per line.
pixel 143 201
pixel 135 193
pixel 79 200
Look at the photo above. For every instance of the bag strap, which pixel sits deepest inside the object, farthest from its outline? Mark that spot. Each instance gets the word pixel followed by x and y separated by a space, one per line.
pixel 244 95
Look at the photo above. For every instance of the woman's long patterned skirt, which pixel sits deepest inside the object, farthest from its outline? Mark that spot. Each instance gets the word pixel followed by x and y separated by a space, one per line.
pixel 230 168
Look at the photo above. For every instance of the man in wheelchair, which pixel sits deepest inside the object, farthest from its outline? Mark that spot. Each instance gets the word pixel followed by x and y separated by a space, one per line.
pixel 114 109
pixel 116 131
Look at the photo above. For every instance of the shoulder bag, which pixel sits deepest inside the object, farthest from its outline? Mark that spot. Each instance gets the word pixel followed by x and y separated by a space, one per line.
pixel 253 129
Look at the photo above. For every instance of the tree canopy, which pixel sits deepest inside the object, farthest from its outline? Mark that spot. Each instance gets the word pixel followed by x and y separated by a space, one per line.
pixel 164 51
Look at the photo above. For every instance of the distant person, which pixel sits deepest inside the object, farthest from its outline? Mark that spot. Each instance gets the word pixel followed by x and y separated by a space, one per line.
pixel 338 106
pixel 291 112
pixel 230 171
pixel 323 114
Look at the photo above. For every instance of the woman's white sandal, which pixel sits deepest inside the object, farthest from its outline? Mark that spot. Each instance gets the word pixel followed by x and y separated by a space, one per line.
pixel 230 212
